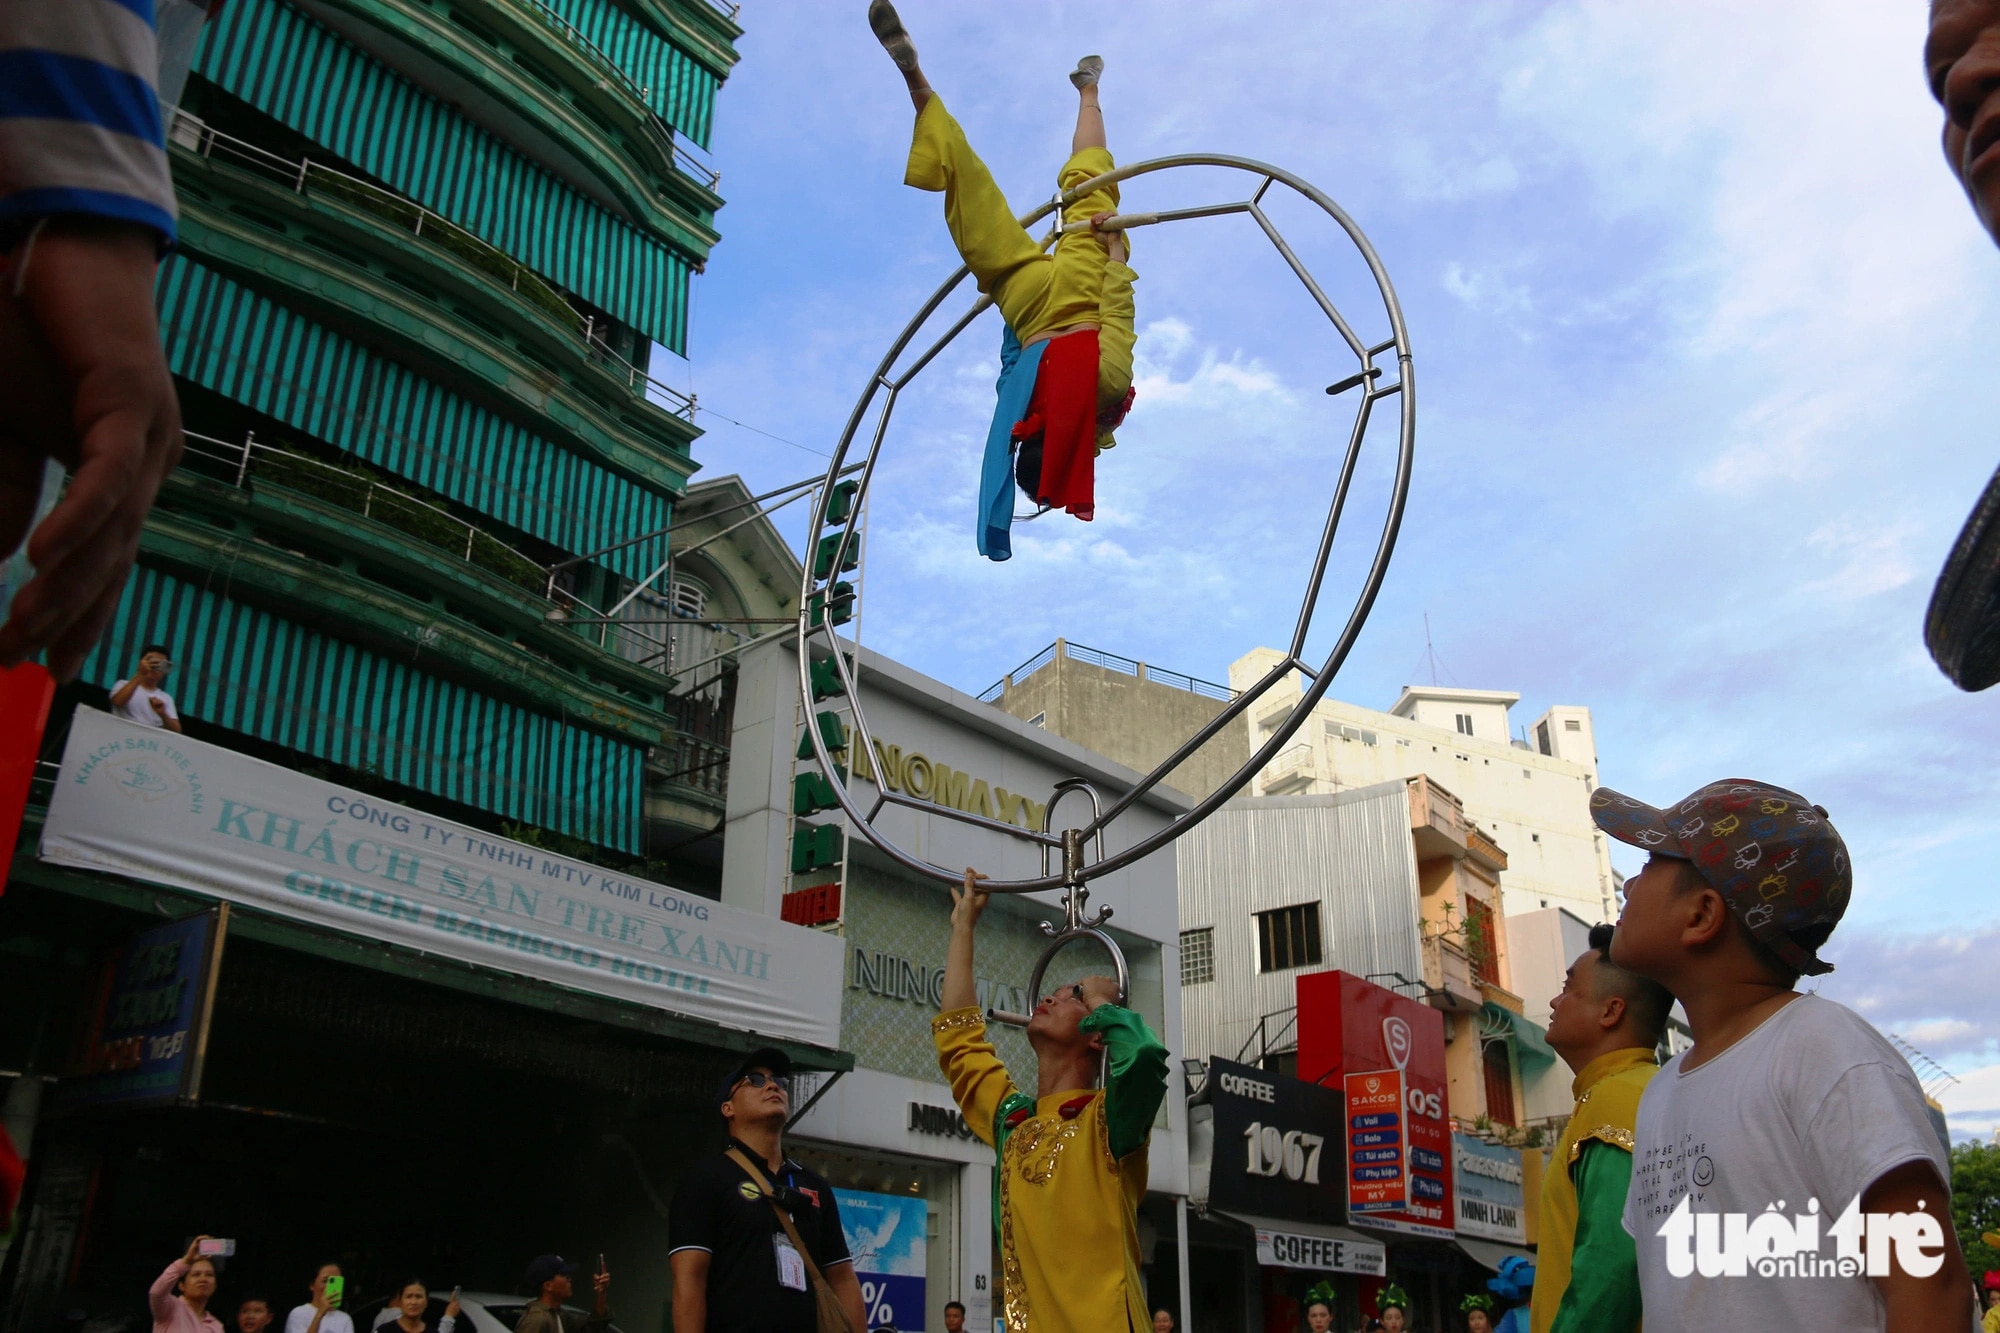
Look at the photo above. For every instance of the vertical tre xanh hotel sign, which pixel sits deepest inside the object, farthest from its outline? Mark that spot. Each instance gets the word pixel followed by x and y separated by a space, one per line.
pixel 1385 1054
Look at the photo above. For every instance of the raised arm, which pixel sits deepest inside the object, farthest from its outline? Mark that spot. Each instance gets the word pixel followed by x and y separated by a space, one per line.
pixel 161 1295
pixel 979 1081
pixel 960 991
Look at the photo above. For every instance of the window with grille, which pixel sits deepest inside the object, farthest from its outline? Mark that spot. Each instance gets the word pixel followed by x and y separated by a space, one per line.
pixel 1464 723
pixel 1572 724
pixel 1498 1069
pixel 1288 937
pixel 1197 956
pixel 1542 735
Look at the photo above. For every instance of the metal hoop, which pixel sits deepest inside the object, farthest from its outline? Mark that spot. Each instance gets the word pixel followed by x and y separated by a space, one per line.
pixel 1076 873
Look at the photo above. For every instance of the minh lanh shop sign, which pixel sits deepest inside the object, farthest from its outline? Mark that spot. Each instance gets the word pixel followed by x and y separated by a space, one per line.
pixel 154 805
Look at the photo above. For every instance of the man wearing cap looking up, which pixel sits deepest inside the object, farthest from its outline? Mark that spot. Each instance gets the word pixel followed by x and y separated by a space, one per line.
pixel 1785 1101
pixel 547 1281
pixel 737 1267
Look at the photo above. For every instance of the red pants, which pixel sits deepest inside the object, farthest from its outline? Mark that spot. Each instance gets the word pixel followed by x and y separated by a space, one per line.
pixel 1063 411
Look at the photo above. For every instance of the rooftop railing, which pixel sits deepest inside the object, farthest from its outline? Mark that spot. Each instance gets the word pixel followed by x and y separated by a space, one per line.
pixel 306 177
pixel 1097 657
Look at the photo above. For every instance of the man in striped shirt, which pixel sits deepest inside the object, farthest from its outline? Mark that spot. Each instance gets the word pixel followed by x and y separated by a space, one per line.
pixel 86 209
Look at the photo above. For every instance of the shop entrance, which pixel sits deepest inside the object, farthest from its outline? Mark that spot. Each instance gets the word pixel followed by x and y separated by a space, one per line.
pixel 355 1114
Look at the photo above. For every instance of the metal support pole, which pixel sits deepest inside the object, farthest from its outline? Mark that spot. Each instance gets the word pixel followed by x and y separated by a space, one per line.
pixel 1181 1256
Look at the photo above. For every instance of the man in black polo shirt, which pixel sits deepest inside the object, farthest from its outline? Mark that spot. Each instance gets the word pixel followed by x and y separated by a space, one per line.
pixel 735 1269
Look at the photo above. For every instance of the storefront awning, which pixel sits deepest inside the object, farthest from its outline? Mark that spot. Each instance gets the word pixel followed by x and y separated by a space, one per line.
pixel 1314 1245
pixel 1489 1253
pixel 1526 1032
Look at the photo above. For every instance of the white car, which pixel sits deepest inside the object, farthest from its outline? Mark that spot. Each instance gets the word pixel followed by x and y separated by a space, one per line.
pixel 487 1311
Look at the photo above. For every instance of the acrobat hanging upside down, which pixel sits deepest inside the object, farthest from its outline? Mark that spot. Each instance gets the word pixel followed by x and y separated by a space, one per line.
pixel 1066 355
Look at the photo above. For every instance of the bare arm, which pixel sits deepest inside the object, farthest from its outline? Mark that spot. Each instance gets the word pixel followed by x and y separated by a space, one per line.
pixel 1937 1301
pixel 691 1290
pixel 960 991
pixel 86 382
pixel 847 1290
pixel 124 692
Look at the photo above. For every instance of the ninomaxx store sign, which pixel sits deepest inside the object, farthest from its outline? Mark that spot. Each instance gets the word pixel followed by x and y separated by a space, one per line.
pixel 1277 1145
pixel 1385 1053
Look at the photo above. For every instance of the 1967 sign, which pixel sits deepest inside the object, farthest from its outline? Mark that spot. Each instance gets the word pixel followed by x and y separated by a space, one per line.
pixel 1271 1136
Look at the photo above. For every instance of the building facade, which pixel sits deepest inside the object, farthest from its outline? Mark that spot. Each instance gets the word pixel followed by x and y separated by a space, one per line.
pixel 427 248
pixel 1530 796
pixel 1131 711
pixel 425 254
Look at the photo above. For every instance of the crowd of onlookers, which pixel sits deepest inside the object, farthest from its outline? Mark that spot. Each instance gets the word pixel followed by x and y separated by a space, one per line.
pixel 182 1295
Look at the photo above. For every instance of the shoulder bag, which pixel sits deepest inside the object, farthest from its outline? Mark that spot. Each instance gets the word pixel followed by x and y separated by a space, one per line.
pixel 832 1319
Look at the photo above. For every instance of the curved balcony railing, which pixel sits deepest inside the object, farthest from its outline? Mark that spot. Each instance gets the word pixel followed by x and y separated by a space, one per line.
pixel 306 177
pixel 689 643
pixel 593 55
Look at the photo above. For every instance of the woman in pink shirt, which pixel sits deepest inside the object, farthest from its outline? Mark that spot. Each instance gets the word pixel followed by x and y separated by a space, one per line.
pixel 185 1311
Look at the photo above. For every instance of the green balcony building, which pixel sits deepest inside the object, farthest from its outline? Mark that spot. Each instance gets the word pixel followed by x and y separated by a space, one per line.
pixel 427 247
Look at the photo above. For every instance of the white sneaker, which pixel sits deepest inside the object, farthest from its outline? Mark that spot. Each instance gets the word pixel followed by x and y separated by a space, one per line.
pixel 1084 75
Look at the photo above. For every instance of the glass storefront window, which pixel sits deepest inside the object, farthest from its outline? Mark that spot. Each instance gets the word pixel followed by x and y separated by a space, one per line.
pixel 894 1179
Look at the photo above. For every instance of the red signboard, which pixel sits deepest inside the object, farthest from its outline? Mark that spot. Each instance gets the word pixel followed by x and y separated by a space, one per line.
pixel 1351 1031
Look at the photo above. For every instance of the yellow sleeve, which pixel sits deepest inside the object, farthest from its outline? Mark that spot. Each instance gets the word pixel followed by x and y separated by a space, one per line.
pixel 1115 334
pixel 979 1081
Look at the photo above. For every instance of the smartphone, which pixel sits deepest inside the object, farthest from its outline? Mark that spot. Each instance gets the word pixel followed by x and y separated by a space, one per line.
pixel 454 1293
pixel 217 1248
pixel 600 1263
pixel 335 1285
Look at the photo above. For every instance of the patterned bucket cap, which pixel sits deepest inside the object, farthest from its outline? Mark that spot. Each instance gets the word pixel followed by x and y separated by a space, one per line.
pixel 1773 856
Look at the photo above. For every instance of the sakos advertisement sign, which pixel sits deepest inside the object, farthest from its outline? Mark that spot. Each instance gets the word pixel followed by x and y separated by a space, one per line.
pixel 1385 1052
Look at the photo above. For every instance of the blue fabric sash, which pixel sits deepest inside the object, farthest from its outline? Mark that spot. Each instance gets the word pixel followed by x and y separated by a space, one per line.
pixel 1016 388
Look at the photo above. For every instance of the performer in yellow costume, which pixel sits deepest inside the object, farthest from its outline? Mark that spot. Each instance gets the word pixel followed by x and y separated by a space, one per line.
pixel 1072 1157
pixel 1066 352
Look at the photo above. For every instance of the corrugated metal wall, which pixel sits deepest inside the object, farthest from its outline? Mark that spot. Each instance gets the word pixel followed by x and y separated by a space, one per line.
pixel 1350 852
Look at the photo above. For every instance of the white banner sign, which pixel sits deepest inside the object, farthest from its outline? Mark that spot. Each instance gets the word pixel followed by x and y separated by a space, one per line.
pixel 1295 1249
pixel 146 802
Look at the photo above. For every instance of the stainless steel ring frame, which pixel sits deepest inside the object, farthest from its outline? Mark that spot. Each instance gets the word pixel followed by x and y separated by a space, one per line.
pixel 1366 377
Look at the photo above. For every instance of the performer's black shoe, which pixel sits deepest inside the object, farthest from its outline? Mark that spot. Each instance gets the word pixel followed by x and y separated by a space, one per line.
pixel 889 30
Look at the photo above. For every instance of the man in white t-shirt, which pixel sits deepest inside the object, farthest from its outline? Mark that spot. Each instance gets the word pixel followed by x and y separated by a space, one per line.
pixel 139 698
pixel 321 1314
pixel 1785 1174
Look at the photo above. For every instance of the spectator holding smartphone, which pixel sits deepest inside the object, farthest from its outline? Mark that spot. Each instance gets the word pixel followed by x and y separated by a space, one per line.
pixel 548 1278
pixel 140 698
pixel 322 1314
pixel 411 1299
pixel 180 1295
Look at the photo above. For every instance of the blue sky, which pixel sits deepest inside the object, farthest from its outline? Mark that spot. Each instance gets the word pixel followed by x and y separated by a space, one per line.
pixel 1704 339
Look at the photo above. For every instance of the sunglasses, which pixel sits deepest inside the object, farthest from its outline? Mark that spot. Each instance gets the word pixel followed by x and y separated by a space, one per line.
pixel 758 1078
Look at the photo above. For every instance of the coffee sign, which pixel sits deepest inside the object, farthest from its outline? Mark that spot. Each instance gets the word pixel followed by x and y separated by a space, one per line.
pixel 1277 1145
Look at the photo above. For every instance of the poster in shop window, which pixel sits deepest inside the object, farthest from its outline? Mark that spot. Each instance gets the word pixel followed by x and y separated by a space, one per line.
pixel 886 1236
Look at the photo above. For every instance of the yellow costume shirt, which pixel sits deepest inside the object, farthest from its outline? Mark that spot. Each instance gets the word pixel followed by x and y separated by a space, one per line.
pixel 1072 1171
pixel 1607 1109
